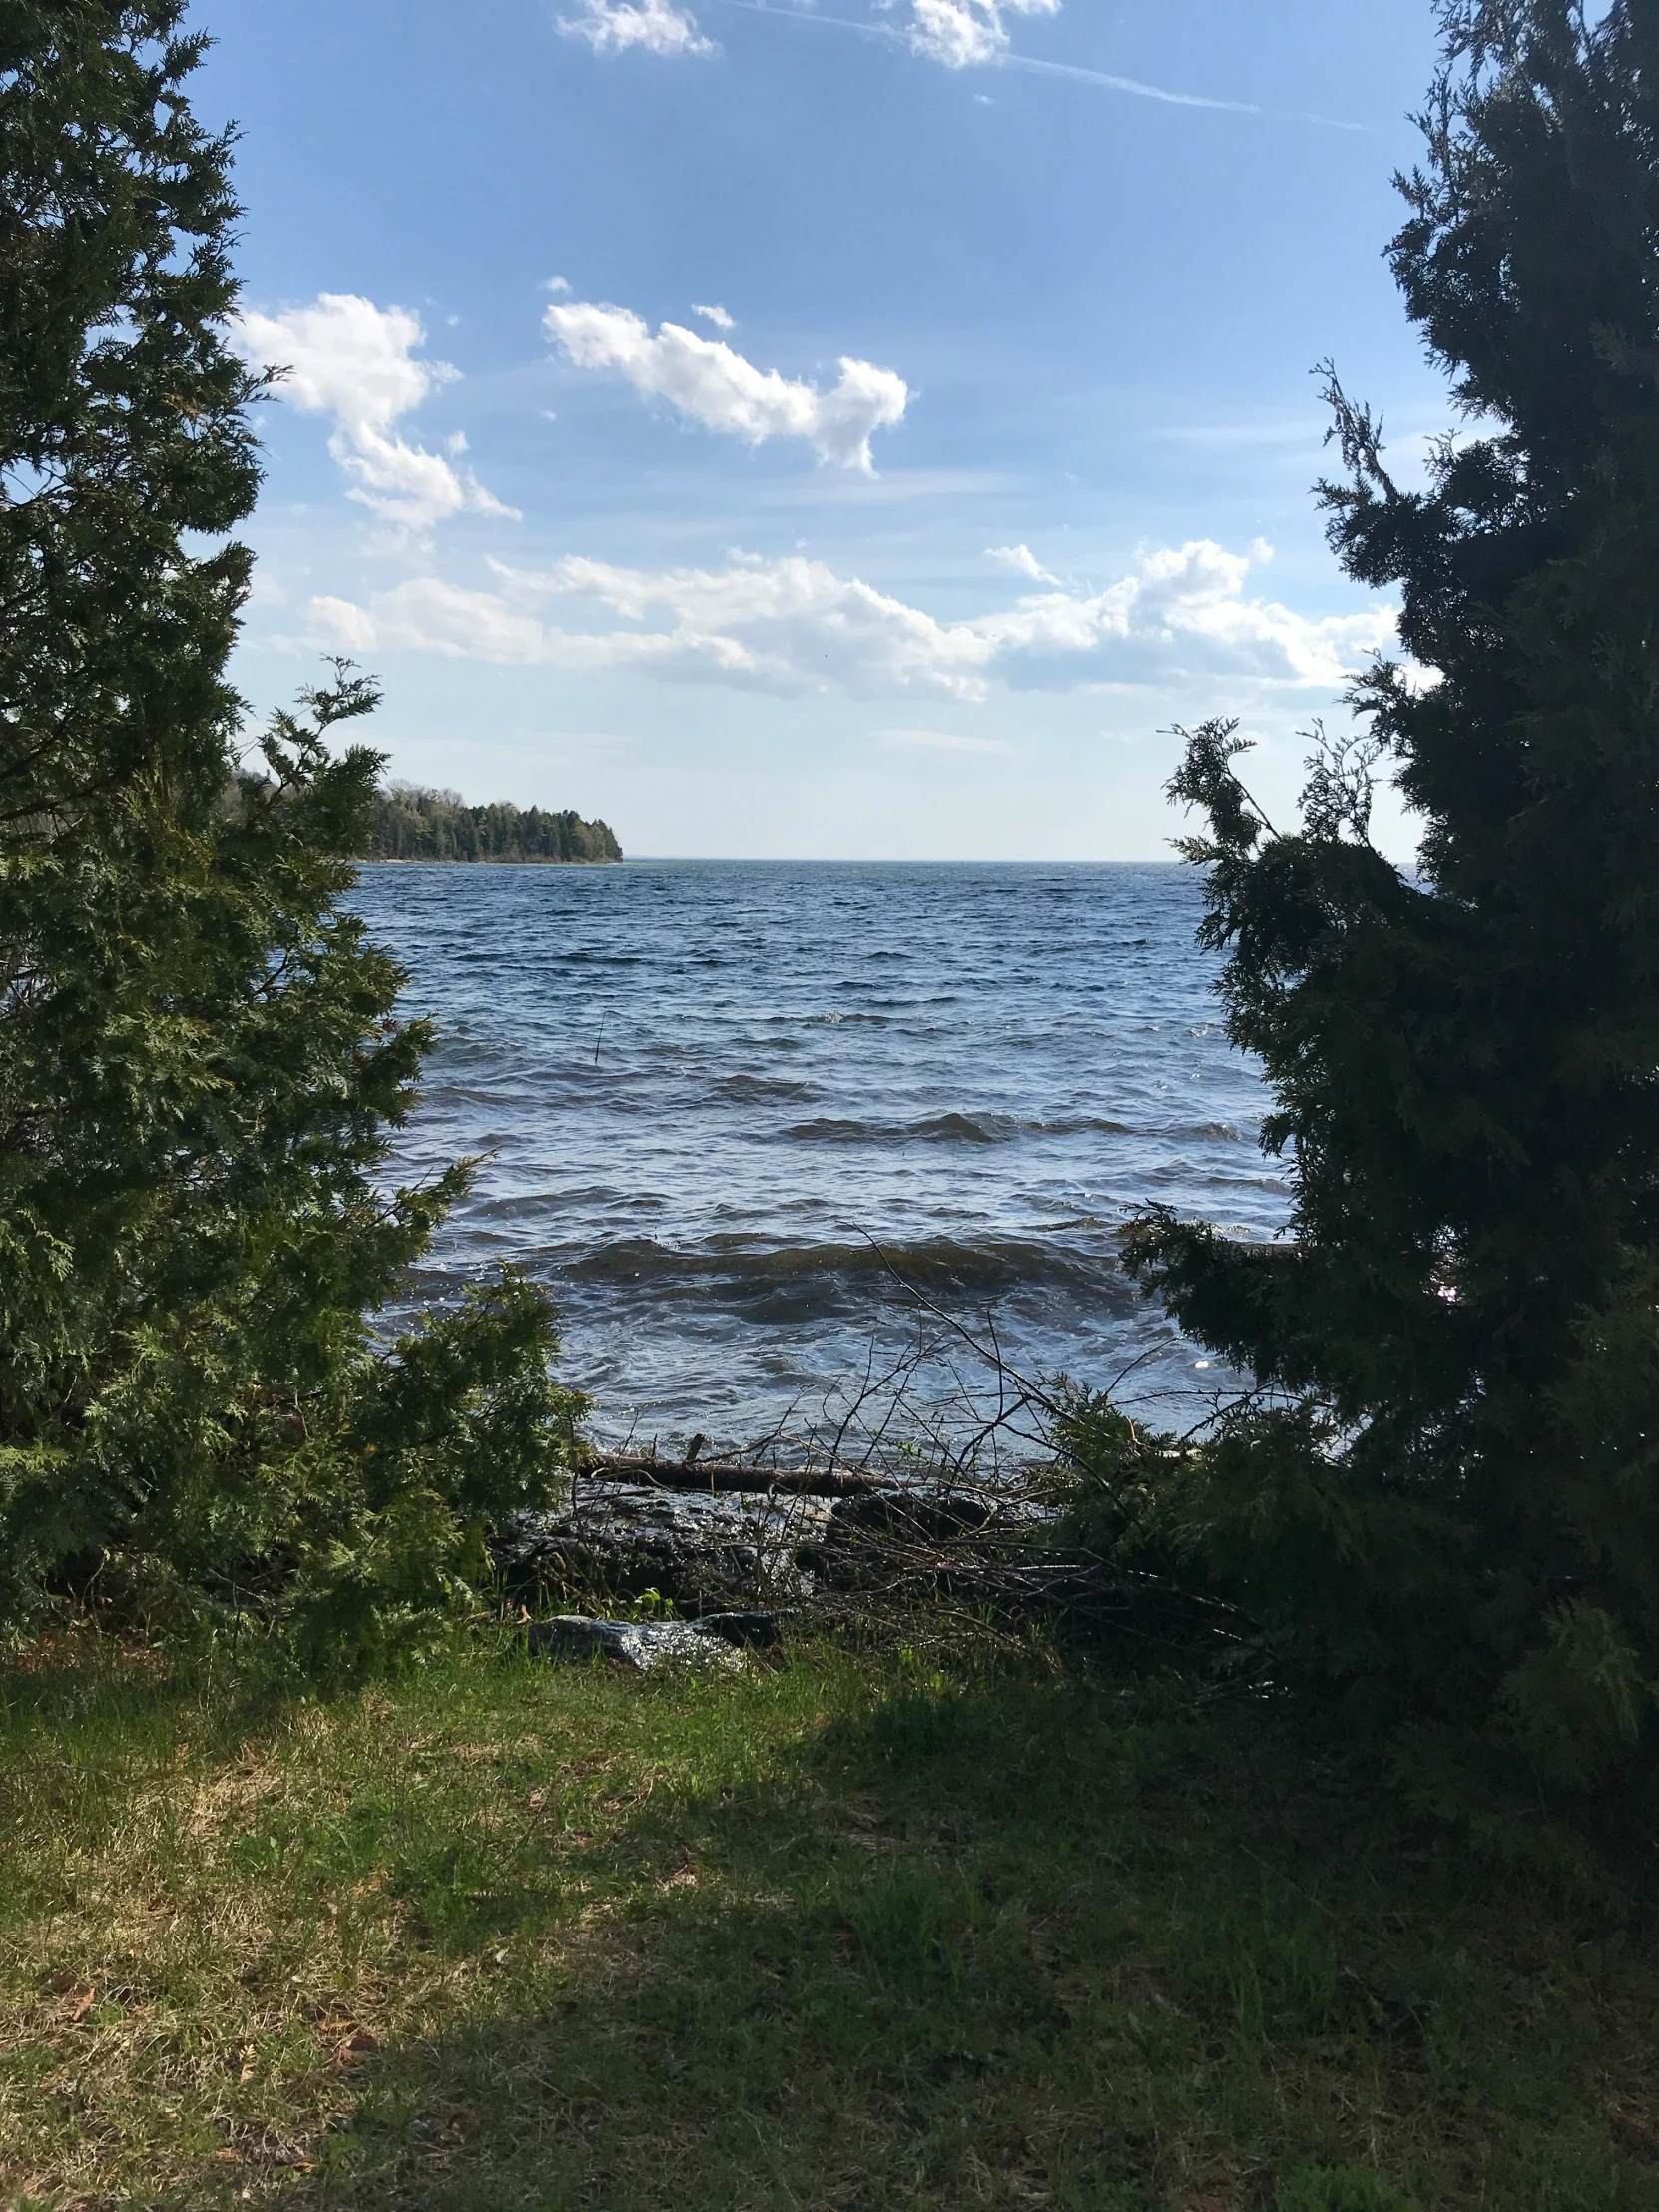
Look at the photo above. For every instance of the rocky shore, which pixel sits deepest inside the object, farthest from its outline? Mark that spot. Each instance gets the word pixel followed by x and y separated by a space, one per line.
pixel 702 1561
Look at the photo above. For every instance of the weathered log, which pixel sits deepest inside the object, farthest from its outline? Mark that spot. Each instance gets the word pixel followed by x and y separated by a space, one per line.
pixel 713 1475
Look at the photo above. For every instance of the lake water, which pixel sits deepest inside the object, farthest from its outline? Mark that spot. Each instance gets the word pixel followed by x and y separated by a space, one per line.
pixel 730 1109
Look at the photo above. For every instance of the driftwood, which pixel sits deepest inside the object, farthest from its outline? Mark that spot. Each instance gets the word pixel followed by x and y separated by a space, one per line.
pixel 714 1476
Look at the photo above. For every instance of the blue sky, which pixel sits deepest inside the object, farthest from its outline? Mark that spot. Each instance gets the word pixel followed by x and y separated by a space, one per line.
pixel 855 431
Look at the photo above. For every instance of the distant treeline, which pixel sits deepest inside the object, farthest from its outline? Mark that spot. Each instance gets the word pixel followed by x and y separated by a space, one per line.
pixel 412 822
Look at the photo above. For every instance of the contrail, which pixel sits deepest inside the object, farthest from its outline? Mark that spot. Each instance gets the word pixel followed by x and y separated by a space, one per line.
pixel 1035 68
pixel 1153 92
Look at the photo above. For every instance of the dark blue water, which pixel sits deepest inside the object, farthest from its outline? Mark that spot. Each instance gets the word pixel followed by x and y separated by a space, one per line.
pixel 709 1090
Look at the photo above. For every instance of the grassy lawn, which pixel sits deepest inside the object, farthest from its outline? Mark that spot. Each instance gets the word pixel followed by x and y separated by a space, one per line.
pixel 849 1932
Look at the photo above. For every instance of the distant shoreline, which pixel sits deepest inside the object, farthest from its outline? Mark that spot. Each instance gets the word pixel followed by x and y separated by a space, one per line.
pixel 488 860
pixel 413 824
pixel 726 860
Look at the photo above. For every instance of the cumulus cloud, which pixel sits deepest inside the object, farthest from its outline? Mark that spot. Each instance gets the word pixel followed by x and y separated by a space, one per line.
pixel 705 380
pixel 356 362
pixel 654 26
pixel 717 315
pixel 793 626
pixel 718 388
pixel 964 32
pixel 1022 561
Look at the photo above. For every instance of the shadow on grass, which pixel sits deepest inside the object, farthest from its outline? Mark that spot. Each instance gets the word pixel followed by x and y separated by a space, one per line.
pixel 843 1937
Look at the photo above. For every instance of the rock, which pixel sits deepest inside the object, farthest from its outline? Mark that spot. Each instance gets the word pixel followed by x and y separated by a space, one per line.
pixel 714 1554
pixel 723 1556
pixel 645 1644
pixel 754 1631
pixel 913 1516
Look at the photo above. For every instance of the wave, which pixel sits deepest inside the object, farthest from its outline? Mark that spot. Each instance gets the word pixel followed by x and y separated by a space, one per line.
pixel 523 1205
pixel 992 1128
pixel 1081 1125
pixel 743 1088
pixel 935 1129
pixel 943 1267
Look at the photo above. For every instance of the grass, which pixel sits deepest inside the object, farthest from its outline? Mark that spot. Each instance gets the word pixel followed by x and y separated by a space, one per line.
pixel 852 1932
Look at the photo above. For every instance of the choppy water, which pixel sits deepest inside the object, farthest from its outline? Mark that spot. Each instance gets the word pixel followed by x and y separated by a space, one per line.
pixel 706 1087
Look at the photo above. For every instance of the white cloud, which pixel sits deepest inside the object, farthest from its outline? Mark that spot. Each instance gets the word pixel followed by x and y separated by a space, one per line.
pixel 351 359
pixel 965 33
pixel 793 626
pixel 557 285
pixel 707 380
pixel 1022 561
pixel 431 617
pixel 654 26
pixel 717 315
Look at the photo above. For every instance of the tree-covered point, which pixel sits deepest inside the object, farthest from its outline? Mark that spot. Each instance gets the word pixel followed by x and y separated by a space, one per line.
pixel 414 822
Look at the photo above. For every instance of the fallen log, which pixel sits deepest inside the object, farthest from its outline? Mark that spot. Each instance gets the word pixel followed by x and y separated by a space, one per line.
pixel 713 1475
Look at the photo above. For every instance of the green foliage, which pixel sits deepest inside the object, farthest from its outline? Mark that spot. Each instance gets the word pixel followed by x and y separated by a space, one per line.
pixel 199 1066
pixel 414 823
pixel 1442 1492
pixel 1340 2189
pixel 123 414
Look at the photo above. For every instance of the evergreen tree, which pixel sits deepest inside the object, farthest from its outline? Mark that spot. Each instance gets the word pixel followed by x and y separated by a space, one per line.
pixel 1444 1491
pixel 199 1060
